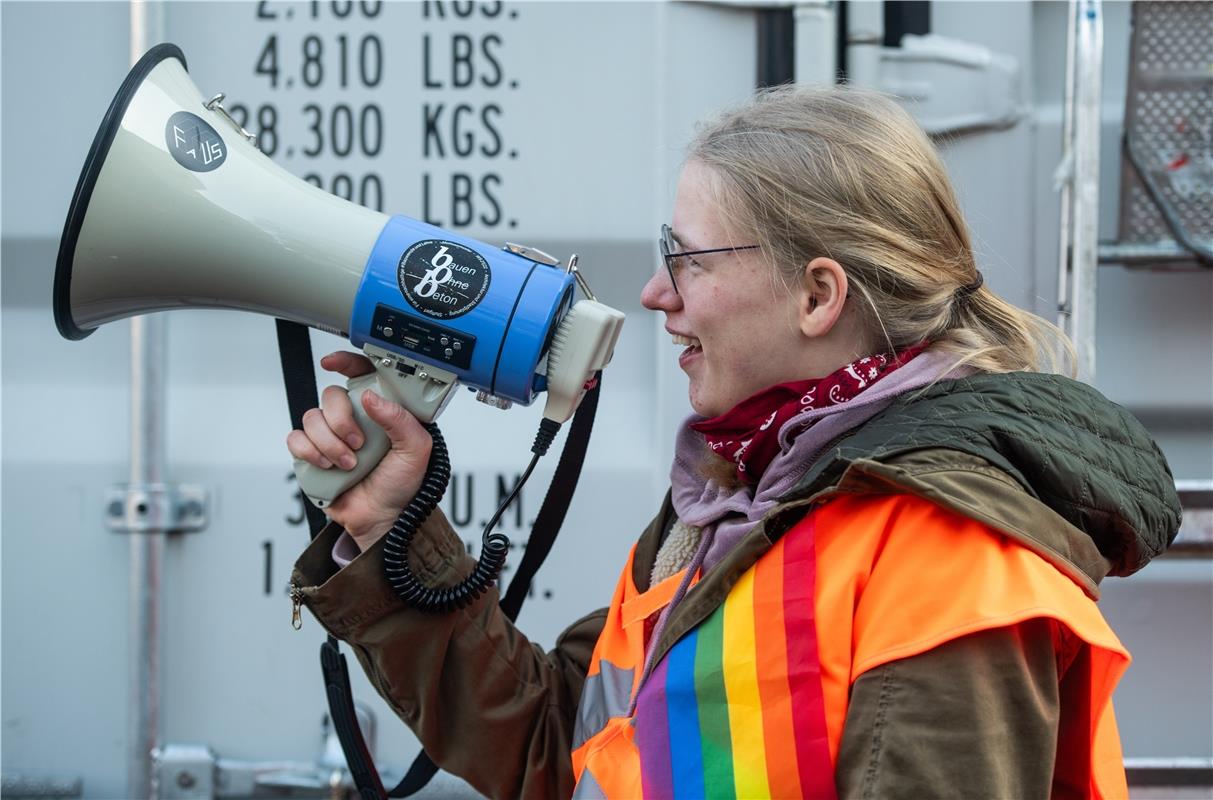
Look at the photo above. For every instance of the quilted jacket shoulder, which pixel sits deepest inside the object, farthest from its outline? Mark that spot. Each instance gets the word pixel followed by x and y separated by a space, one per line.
pixel 1066 445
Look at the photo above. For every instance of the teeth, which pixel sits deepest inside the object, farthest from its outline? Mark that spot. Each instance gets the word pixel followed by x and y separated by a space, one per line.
pixel 684 340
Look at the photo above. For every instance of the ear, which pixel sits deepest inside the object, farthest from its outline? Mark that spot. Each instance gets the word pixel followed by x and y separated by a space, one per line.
pixel 822 296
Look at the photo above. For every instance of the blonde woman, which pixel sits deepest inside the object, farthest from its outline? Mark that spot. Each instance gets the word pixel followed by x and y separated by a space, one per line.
pixel 875 574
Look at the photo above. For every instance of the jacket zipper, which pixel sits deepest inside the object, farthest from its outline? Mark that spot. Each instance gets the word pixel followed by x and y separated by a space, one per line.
pixel 296 594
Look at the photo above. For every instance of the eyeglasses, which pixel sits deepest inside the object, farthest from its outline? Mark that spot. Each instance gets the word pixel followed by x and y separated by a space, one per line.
pixel 667 243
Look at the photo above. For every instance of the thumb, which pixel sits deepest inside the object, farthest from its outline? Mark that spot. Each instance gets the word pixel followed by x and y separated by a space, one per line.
pixel 402 428
pixel 351 365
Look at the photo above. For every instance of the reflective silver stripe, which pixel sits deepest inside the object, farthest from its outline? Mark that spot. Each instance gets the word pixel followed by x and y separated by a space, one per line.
pixel 605 695
pixel 587 788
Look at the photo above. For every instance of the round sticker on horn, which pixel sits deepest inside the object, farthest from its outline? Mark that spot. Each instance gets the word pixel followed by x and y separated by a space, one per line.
pixel 442 279
pixel 194 144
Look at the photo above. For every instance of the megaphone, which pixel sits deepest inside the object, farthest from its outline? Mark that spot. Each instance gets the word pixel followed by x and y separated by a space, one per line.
pixel 177 208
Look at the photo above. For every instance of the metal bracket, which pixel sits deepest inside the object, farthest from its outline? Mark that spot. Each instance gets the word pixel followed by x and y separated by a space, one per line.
pixel 951 86
pixel 195 772
pixel 1195 537
pixel 156 507
pixel 532 254
pixel 216 104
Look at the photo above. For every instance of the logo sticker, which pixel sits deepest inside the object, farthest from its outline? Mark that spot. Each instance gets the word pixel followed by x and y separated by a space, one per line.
pixel 194 144
pixel 442 279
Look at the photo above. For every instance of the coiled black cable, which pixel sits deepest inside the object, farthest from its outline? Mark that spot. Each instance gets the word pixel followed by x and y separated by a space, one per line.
pixel 494 546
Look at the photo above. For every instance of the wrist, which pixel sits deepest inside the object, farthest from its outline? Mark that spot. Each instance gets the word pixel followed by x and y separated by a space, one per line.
pixel 365 535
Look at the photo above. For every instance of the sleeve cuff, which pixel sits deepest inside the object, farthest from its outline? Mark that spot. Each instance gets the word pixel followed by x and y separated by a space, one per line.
pixel 345 549
pixel 348 599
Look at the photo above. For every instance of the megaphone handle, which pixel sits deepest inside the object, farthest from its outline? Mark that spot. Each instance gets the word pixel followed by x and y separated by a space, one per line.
pixel 322 486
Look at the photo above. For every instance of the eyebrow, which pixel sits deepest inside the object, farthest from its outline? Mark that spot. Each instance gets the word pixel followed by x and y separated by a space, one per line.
pixel 683 243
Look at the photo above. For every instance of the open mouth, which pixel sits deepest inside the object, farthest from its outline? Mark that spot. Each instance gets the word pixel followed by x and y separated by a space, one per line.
pixel 686 341
pixel 692 345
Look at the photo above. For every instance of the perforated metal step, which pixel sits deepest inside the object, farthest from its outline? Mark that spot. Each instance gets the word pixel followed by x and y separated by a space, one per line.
pixel 1167 164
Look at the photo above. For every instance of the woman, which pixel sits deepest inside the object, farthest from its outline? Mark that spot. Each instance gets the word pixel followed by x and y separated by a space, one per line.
pixel 876 570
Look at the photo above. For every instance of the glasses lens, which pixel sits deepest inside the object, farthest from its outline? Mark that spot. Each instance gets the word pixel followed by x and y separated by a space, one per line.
pixel 666 243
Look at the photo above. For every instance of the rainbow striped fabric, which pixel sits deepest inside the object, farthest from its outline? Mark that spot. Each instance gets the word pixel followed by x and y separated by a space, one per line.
pixel 735 709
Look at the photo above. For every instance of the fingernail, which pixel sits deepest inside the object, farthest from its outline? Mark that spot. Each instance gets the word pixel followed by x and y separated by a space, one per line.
pixel 354 441
pixel 325 463
pixel 348 462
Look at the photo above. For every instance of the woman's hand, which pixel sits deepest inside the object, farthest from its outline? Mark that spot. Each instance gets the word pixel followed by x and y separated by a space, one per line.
pixel 330 436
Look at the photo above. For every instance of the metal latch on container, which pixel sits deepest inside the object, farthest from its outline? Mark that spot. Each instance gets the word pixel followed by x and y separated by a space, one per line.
pixel 196 772
pixel 156 507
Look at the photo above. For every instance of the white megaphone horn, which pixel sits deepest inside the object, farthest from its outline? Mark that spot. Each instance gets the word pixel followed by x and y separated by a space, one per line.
pixel 177 208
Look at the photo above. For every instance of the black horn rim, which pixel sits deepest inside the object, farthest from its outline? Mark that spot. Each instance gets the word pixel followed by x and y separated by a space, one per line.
pixel 110 124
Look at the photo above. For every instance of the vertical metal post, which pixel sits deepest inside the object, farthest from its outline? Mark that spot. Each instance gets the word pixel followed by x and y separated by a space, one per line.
pixel 1085 246
pixel 146 548
pixel 147 470
pixel 865 42
pixel 1065 174
pixel 816 42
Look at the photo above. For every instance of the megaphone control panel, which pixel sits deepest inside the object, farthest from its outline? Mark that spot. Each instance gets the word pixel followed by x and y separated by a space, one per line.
pixel 427 339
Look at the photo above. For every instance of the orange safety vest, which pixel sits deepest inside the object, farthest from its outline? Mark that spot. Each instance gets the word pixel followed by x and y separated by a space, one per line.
pixel 746 727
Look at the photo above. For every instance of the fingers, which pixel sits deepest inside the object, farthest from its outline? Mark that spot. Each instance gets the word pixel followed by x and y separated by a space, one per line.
pixel 302 448
pixel 339 413
pixel 326 441
pixel 402 428
pixel 351 365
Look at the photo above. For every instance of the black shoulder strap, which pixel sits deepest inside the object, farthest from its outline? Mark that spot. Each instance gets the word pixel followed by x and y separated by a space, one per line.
pixel 543 536
pixel 555 504
pixel 299 376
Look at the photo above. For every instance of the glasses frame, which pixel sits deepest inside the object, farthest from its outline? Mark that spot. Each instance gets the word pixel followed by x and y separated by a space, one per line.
pixel 666 245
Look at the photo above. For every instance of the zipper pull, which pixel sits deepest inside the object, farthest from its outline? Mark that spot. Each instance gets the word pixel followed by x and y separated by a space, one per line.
pixel 296 603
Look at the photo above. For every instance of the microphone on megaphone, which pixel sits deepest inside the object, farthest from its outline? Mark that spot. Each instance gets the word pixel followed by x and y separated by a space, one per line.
pixel 177 208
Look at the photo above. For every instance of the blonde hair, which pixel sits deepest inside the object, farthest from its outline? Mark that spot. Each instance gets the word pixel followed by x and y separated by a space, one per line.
pixel 847 173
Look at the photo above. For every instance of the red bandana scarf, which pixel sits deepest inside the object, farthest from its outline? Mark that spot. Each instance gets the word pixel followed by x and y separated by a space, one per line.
pixel 748 434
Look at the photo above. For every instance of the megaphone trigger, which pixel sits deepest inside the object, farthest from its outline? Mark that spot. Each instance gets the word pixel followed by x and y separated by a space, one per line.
pixel 422 389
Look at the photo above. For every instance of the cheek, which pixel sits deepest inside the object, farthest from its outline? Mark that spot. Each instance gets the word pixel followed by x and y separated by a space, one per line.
pixel 752 345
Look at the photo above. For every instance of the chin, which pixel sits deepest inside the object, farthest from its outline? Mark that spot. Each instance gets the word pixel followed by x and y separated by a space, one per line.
pixel 704 408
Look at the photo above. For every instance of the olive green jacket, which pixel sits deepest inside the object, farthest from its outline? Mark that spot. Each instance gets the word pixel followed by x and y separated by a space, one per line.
pixel 1044 460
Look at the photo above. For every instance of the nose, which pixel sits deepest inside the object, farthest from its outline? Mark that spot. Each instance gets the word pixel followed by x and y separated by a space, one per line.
pixel 658 294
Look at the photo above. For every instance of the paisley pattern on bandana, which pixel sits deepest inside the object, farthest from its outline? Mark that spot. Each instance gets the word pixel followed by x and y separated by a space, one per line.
pixel 748 433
